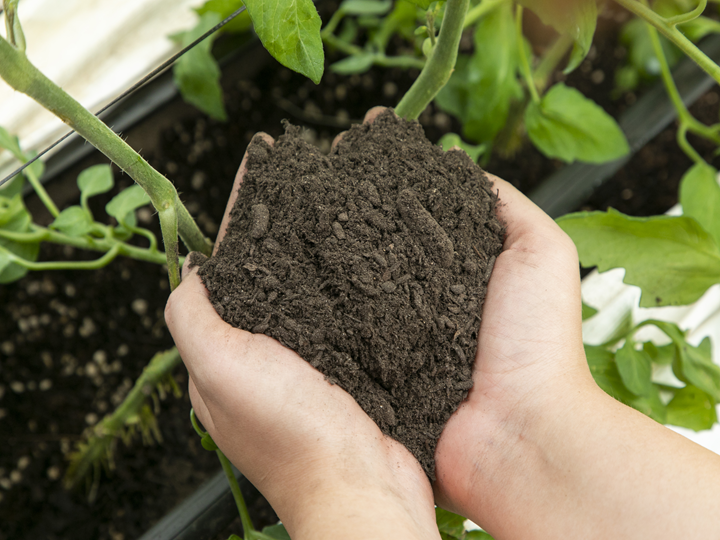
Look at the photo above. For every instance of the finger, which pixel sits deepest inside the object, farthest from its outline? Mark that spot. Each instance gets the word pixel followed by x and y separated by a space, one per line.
pixel 236 186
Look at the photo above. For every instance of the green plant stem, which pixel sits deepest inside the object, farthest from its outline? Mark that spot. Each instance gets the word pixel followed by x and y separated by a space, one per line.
pixel 671 32
pixel 41 234
pixel 524 62
pixel 62 265
pixel 332 23
pixel 689 16
pixel 248 527
pixel 24 77
pixel 12 25
pixel 476 13
pixel 686 147
pixel 439 66
pixel 41 193
pixel 379 59
pixel 550 61
pixel 687 121
pixel 100 437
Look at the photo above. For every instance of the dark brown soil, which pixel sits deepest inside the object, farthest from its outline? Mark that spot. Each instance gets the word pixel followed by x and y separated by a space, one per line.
pixel 371 263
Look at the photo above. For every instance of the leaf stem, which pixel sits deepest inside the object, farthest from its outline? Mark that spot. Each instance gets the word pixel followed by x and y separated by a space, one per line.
pixel 248 527
pixel 62 265
pixel 671 32
pixel 550 61
pixel 689 16
pixel 379 58
pixel 524 62
pixel 439 66
pixel 41 193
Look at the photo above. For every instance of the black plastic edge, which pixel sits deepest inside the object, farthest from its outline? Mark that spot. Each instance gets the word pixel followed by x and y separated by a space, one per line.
pixel 565 190
pixel 205 513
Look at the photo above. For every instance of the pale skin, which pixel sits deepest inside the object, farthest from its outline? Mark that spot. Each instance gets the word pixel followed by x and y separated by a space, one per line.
pixel 536 451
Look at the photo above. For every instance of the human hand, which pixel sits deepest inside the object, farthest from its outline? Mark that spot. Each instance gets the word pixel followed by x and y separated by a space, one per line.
pixel 303 442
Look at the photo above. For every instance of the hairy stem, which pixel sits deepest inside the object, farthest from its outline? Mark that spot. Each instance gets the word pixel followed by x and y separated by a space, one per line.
pixel 24 77
pixel 439 66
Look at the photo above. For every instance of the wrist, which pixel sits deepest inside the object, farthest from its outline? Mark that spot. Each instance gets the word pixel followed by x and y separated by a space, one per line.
pixel 348 497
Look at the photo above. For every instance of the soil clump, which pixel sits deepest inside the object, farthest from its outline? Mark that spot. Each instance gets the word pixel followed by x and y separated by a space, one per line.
pixel 371 263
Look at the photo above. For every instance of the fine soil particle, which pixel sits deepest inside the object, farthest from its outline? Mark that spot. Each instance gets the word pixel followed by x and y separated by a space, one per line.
pixel 372 263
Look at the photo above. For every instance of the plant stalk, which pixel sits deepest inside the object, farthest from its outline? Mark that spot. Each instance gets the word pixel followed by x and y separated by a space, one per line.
pixel 439 66
pixel 23 76
pixel 670 31
pixel 476 13
pixel 524 62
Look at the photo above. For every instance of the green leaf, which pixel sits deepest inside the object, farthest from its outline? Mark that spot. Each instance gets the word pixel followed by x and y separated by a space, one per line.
pixel 366 7
pixel 635 369
pixel 699 369
pixel 692 408
pixel 16 218
pixel 73 221
pixel 604 370
pixel 650 405
pixel 569 126
pixel 277 531
pixel 700 198
pixel 641 54
pixel 11 143
pixel 225 8
pixel 207 443
pixel 94 181
pixel 449 523
pixel 126 202
pixel 587 311
pixel 483 86
pixel 197 74
pixel 290 31
pixel 672 259
pixel 575 18
pixel 452 140
pixel 663 355
pixel 477 535
pixel 353 64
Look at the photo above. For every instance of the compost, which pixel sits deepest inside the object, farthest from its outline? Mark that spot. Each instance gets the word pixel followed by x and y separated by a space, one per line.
pixel 371 263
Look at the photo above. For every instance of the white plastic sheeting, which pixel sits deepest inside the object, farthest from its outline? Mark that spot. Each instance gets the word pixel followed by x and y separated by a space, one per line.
pixel 93 49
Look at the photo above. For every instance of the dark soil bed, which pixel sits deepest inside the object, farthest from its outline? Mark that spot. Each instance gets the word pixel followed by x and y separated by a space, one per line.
pixel 71 343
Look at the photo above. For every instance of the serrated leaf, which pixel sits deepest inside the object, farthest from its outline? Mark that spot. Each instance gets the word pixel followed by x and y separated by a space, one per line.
pixel 125 202
pixel 568 126
pixel 692 408
pixel 452 140
pixel 353 64
pixel 663 355
pixel 587 311
pixel 225 8
pixel 276 531
pixel 635 369
pixel 604 370
pixel 15 217
pixel 366 7
pixel 197 74
pixel 94 181
pixel 290 31
pixel 449 523
pixel 575 18
pixel 73 221
pixel 672 259
pixel 700 198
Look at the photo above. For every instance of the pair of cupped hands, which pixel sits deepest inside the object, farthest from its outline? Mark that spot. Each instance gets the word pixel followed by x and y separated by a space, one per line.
pixel 325 466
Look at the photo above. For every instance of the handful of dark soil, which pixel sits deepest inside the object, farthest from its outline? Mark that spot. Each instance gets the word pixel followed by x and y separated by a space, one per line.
pixel 371 263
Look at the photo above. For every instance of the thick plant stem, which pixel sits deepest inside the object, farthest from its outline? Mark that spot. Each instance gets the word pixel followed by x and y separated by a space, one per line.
pixel 129 415
pixel 439 66
pixel 24 77
pixel 670 31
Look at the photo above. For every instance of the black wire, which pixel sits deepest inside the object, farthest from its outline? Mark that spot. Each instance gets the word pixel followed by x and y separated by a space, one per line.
pixel 157 71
